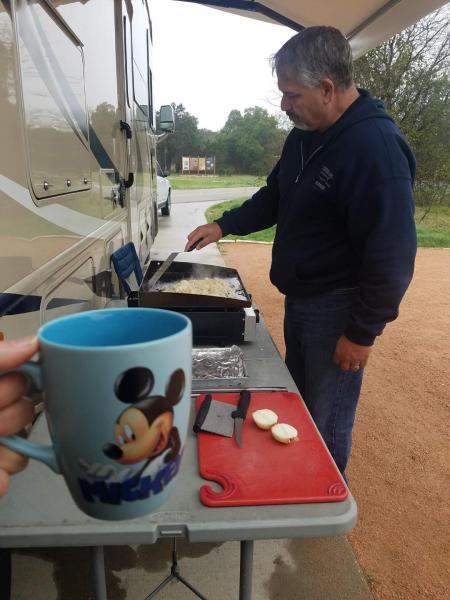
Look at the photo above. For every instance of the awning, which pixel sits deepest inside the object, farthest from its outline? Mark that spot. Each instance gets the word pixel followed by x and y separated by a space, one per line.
pixel 366 23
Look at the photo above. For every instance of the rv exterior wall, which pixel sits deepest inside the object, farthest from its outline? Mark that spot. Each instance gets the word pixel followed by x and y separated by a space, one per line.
pixel 67 82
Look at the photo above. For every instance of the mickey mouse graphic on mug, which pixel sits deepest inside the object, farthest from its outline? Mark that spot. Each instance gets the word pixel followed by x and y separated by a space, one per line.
pixel 144 430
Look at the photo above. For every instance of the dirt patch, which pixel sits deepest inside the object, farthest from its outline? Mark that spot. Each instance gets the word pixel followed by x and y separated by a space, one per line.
pixel 398 470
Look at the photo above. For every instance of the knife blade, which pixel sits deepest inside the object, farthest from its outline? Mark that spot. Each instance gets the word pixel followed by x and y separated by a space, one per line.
pixel 239 415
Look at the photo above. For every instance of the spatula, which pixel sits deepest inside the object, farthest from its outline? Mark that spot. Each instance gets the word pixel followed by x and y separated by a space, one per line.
pixel 166 264
pixel 215 416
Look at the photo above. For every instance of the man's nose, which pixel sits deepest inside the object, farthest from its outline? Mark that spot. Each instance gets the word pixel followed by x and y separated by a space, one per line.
pixel 285 104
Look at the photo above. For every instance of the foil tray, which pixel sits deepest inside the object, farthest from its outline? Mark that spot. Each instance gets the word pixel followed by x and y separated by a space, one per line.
pixel 214 368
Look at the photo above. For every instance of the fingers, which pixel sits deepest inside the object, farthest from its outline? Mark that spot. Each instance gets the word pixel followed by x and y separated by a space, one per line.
pixel 15 410
pixel 12 387
pixel 350 356
pixel 342 362
pixel 193 237
pixel 14 353
pixel 11 462
pixel 16 416
pixel 4 482
pixel 204 235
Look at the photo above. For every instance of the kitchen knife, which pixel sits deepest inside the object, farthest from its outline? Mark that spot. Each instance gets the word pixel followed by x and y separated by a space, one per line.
pixel 165 265
pixel 239 416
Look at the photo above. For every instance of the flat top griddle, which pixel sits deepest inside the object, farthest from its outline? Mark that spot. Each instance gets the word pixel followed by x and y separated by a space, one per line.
pixel 179 271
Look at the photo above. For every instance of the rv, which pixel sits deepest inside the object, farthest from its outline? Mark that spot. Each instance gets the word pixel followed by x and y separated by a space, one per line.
pixel 77 153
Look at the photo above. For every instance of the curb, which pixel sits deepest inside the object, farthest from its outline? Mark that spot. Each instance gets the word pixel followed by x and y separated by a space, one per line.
pixel 244 242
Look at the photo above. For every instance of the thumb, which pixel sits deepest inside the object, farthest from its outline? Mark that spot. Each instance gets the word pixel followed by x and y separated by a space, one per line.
pixel 13 353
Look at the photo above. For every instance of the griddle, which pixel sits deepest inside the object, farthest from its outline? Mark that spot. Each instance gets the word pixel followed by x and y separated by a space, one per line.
pixel 179 271
pixel 216 320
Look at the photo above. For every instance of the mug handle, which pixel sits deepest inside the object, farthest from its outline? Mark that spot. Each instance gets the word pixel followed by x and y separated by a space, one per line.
pixel 45 454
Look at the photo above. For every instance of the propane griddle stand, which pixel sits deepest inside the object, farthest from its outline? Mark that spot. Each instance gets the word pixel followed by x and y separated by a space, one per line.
pixel 216 321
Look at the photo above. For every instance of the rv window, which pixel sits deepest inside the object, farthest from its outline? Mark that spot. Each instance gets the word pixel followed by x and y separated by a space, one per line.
pixel 140 66
pixel 127 50
pixel 51 63
pixel 150 87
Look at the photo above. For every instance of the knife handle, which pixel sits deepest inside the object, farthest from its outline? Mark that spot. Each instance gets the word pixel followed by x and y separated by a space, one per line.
pixel 201 414
pixel 242 407
pixel 194 245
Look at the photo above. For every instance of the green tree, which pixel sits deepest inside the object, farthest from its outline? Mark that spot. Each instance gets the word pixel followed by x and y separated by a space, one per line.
pixel 249 143
pixel 410 73
pixel 186 141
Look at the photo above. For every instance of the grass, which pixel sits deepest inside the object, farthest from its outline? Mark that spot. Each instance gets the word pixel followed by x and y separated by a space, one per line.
pixel 214 212
pixel 191 182
pixel 371 580
pixel 432 232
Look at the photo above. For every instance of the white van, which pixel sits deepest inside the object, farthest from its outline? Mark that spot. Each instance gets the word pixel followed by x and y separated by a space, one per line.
pixel 164 191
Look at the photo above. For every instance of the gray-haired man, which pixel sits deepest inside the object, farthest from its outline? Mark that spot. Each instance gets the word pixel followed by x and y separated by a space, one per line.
pixel 344 249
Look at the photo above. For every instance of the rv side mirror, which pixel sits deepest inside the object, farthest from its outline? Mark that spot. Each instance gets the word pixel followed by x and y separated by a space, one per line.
pixel 167 119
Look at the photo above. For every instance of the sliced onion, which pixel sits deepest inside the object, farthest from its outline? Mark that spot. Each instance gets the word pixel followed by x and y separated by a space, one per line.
pixel 265 418
pixel 285 433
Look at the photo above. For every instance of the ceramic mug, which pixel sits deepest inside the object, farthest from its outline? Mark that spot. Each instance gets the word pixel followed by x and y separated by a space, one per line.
pixel 117 385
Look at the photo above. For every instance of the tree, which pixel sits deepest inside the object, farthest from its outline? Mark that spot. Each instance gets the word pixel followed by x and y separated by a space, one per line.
pixel 249 143
pixel 186 141
pixel 409 73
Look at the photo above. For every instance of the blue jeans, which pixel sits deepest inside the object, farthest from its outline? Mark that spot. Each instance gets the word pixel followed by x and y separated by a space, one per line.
pixel 312 327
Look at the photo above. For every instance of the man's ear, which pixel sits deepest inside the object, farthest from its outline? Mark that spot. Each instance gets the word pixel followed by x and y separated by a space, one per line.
pixel 328 90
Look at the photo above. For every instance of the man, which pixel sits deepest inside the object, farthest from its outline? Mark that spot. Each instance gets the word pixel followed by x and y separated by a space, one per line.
pixel 16 411
pixel 344 249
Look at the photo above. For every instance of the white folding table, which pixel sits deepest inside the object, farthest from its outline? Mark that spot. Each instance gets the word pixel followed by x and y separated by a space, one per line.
pixel 39 512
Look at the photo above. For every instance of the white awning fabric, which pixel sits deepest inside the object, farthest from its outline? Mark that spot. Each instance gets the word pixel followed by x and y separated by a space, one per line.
pixel 366 23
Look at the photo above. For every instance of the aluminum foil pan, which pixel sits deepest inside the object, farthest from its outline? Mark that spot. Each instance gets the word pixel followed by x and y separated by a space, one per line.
pixel 218 363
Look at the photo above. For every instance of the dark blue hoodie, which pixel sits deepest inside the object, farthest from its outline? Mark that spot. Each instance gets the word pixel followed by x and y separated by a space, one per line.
pixel 343 204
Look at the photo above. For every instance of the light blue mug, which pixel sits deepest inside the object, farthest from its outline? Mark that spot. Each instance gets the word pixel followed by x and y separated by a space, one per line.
pixel 117 387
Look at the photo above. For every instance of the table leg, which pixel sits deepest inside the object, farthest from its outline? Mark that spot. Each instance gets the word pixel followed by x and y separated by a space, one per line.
pixel 5 573
pixel 245 578
pixel 98 573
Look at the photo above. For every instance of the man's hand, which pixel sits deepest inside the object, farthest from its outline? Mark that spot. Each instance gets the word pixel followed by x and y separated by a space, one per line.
pixel 16 411
pixel 349 356
pixel 206 233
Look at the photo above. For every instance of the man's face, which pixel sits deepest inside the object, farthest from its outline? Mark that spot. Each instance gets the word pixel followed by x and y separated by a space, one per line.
pixel 303 105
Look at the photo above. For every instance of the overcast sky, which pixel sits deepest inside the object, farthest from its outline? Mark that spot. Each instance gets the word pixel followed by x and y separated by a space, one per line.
pixel 213 62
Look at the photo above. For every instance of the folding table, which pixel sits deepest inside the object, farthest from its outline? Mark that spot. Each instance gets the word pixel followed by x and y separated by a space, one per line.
pixel 38 511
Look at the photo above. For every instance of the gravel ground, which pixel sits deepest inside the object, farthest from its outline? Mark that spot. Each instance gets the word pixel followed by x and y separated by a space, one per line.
pixel 399 467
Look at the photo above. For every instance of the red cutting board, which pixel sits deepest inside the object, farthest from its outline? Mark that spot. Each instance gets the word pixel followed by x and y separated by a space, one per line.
pixel 264 471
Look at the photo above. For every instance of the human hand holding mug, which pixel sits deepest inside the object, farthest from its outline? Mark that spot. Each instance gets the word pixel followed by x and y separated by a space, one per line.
pixel 16 411
pixel 117 389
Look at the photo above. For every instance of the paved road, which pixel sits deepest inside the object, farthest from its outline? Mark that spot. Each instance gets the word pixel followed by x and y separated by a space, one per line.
pixel 212 195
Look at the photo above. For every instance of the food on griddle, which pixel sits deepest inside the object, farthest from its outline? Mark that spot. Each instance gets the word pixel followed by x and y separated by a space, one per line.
pixel 285 433
pixel 265 418
pixel 204 287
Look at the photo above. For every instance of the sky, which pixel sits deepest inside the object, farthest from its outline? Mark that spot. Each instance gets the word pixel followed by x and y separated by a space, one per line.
pixel 213 62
